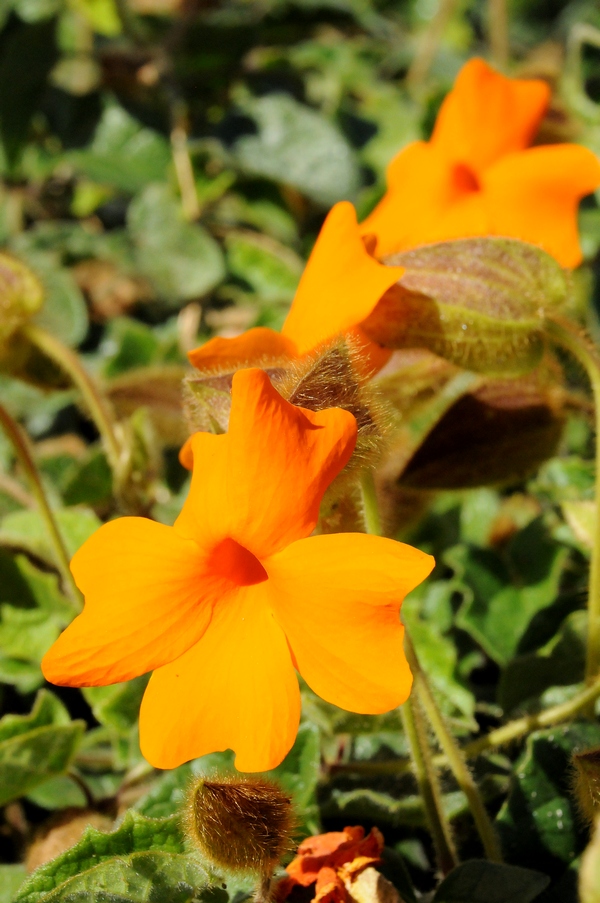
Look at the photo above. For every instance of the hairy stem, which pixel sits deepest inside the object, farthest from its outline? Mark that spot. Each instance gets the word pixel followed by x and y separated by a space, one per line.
pixel 455 757
pixel 507 733
pixel 427 781
pixel 99 407
pixel 577 343
pixel 22 448
pixel 370 505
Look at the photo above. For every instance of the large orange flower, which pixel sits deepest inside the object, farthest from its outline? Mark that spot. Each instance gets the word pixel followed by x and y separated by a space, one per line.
pixel 224 605
pixel 340 286
pixel 478 174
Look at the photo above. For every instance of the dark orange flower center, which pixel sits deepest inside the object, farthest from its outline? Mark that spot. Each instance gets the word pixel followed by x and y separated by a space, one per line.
pixel 231 560
pixel 464 179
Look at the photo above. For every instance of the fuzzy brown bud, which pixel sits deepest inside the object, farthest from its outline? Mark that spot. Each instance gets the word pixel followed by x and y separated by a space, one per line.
pixel 240 824
pixel 586 783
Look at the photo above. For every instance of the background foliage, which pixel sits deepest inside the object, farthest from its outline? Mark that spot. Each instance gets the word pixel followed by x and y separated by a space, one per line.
pixel 166 168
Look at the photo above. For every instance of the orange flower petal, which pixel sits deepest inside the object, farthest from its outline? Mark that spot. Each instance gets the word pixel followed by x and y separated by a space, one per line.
pixel 337 597
pixel 487 115
pixel 341 283
pixel 262 482
pixel 235 689
pixel 534 196
pixel 148 598
pixel 419 193
pixel 252 348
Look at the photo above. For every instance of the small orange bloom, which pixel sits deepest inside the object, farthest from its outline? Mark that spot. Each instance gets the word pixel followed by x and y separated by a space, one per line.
pixel 227 603
pixel 328 860
pixel 478 175
pixel 340 286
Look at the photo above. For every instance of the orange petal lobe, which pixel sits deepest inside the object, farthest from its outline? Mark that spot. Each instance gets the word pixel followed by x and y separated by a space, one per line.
pixel 341 283
pixel 262 482
pixel 487 115
pixel 235 689
pixel 252 348
pixel 338 598
pixel 148 598
pixel 534 196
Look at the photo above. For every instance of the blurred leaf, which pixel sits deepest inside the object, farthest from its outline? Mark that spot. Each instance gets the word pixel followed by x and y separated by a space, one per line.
pixel 581 517
pixel 28 52
pixel 478 881
pixel 299 147
pixel 501 599
pixel 25 530
pixel 477 302
pixel 144 859
pixel 60 792
pixel 270 269
pixel 299 773
pixel 117 705
pixel 123 154
pixel 37 746
pixel 538 823
pixel 180 258
pixel 560 662
pixel 11 878
pixel 90 482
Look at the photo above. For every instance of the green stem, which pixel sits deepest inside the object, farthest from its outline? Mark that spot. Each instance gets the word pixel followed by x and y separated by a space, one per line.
pixel 577 343
pixel 455 757
pixel 22 449
pixel 507 733
pixel 498 33
pixel 370 504
pixel 427 781
pixel 98 406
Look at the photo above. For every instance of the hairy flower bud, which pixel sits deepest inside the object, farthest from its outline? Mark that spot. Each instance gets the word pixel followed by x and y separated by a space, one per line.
pixel 586 782
pixel 240 824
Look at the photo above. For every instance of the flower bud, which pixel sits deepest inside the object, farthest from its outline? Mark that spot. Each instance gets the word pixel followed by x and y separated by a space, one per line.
pixel 586 783
pixel 21 295
pixel 240 824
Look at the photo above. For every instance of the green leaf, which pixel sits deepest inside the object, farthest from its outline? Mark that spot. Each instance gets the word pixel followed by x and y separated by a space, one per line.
pixel 561 662
pixel 28 54
pixel 269 268
pixel 478 302
pixel 117 705
pixel 538 823
pixel 478 881
pixel 27 531
pixel 37 746
pixel 181 259
pixel 89 482
pixel 299 773
pixel 299 147
pixel 11 879
pixel 502 598
pixel 144 859
pixel 123 154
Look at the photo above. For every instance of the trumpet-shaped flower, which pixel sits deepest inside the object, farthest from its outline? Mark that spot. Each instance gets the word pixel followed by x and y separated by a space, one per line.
pixel 340 286
pixel 228 603
pixel 478 175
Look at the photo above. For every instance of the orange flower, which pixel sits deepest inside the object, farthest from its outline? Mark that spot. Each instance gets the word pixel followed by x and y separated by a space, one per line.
pixel 340 286
pixel 328 860
pixel 478 174
pixel 224 605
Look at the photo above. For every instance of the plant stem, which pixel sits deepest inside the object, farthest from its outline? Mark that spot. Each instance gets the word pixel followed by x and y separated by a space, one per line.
pixel 370 505
pixel 427 781
pixel 430 41
pixel 454 756
pixel 514 730
pixel 98 406
pixel 498 32
pixel 577 343
pixel 22 448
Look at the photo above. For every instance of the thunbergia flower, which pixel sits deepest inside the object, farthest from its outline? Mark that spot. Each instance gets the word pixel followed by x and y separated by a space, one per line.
pixel 479 175
pixel 230 602
pixel 340 286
